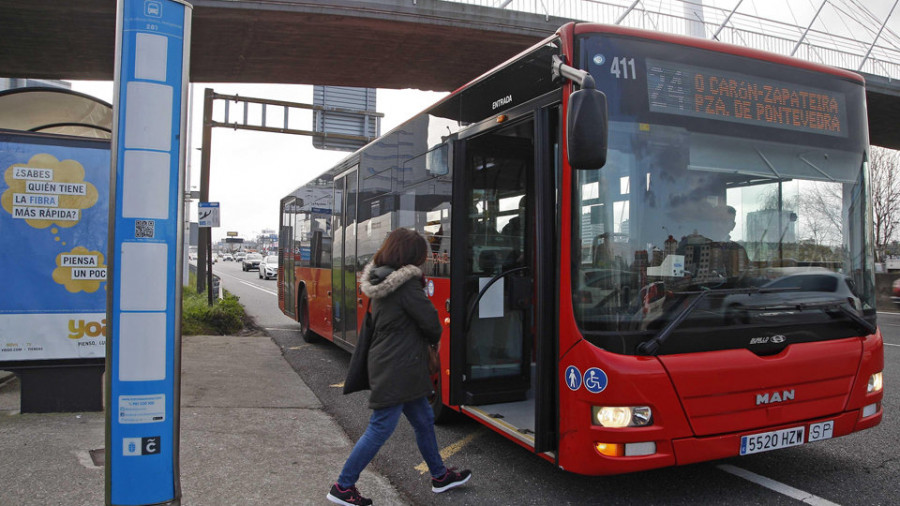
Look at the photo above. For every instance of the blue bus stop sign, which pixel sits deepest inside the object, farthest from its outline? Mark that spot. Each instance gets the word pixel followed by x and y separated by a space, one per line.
pixel 145 244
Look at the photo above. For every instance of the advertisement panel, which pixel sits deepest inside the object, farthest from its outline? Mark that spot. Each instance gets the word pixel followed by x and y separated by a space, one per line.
pixel 53 220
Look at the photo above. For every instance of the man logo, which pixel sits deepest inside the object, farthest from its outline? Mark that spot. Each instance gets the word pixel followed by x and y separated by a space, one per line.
pixel 774 397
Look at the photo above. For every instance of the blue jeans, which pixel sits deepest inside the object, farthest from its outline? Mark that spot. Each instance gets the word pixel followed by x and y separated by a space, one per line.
pixel 381 426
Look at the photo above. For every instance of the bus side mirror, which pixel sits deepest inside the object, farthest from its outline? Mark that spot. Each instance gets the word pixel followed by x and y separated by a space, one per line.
pixel 587 129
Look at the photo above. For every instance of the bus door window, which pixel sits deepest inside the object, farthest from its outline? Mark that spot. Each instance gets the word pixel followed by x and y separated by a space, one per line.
pixel 343 281
pixel 286 250
pixel 500 167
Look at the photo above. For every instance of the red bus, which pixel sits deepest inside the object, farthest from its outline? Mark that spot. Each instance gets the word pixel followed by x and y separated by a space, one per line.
pixel 647 250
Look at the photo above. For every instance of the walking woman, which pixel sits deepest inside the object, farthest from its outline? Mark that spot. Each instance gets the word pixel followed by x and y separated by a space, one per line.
pixel 405 324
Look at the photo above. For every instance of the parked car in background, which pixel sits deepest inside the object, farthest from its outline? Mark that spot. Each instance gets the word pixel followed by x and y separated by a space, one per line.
pixel 268 267
pixel 803 288
pixel 895 292
pixel 251 262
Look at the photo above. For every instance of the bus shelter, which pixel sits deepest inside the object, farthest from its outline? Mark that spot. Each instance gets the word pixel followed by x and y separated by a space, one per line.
pixel 55 160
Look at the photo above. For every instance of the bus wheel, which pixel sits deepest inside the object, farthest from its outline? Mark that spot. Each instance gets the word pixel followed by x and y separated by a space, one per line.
pixel 303 317
pixel 442 414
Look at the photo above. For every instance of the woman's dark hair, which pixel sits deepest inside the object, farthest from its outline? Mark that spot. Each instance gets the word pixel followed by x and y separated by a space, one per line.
pixel 402 247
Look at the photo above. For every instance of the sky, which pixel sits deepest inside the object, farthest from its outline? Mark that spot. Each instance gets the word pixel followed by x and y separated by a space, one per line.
pixel 251 171
pixel 830 18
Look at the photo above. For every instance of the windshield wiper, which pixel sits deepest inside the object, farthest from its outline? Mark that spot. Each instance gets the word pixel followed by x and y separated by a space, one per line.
pixel 841 305
pixel 652 345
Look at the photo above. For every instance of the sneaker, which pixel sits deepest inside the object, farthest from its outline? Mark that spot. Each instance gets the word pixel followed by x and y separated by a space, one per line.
pixel 347 496
pixel 450 480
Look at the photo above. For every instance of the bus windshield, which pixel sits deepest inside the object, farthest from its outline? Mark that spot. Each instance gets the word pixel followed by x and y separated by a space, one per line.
pixel 767 220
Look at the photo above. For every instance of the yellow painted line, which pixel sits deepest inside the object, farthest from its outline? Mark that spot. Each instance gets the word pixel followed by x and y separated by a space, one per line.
pixel 337 385
pixel 452 449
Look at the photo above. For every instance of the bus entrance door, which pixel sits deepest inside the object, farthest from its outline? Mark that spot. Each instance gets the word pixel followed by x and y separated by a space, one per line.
pixel 286 259
pixel 492 348
pixel 343 271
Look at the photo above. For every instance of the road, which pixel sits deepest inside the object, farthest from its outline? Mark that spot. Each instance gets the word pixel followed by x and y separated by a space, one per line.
pixel 859 469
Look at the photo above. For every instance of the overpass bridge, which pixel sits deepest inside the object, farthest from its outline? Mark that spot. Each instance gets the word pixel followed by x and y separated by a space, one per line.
pixel 425 44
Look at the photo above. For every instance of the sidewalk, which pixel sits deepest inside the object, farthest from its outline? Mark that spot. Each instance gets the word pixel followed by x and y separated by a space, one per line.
pixel 251 433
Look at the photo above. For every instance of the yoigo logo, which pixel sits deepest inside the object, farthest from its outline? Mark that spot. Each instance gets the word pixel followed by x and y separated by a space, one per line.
pixel 80 328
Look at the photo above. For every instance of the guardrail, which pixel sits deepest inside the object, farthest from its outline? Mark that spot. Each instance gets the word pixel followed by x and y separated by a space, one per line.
pixel 217 285
pixel 878 55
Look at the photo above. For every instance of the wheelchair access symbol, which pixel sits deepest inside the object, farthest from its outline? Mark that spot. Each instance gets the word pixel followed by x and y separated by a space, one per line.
pixel 595 380
pixel 573 378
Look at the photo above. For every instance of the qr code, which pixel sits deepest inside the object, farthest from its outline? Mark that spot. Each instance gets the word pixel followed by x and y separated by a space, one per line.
pixel 144 228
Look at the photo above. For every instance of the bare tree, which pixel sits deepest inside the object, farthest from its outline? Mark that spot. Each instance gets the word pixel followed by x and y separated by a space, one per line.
pixel 820 208
pixel 885 183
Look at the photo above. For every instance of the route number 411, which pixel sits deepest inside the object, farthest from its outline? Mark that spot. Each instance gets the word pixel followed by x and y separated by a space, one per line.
pixel 622 68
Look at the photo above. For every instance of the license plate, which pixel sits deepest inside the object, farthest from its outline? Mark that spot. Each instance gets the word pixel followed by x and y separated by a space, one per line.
pixel 820 431
pixel 766 441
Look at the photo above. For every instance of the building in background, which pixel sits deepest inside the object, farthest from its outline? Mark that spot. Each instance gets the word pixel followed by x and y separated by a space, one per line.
pixel 9 83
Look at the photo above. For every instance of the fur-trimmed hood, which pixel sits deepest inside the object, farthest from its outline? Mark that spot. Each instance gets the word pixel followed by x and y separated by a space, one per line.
pixel 378 282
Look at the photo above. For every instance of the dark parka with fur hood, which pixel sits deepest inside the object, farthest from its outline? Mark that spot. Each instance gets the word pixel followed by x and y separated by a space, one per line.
pixel 405 324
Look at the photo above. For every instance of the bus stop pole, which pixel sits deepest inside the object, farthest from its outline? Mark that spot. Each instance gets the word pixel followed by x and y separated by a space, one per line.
pixel 204 237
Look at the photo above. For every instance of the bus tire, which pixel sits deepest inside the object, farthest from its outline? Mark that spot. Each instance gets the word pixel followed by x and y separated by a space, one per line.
pixel 303 318
pixel 442 414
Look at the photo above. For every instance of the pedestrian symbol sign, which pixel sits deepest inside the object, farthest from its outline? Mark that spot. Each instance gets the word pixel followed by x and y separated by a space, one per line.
pixel 573 378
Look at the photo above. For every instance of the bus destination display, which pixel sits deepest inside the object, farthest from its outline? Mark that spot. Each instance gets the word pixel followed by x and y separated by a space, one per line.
pixel 708 93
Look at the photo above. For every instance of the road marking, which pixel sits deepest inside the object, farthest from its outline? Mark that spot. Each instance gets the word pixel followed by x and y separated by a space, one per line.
pixel 270 292
pixel 451 450
pixel 776 486
pixel 889 344
pixel 251 285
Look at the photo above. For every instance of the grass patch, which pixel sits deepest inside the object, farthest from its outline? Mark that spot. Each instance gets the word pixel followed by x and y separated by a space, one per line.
pixel 224 317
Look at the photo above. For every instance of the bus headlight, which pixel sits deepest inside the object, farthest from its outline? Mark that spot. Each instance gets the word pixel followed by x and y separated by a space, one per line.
pixel 875 383
pixel 622 416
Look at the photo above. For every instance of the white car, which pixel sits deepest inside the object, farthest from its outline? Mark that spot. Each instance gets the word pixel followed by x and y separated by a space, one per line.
pixel 268 267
